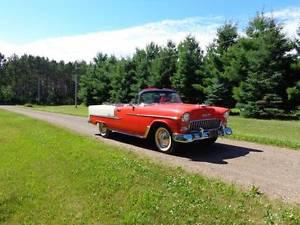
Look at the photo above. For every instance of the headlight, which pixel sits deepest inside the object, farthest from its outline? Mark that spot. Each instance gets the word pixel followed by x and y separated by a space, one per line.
pixel 226 115
pixel 185 117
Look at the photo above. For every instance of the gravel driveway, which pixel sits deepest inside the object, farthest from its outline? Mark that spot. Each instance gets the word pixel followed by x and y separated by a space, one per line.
pixel 276 171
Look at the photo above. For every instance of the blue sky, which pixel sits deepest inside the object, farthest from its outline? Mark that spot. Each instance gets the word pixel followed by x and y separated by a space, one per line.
pixel 38 24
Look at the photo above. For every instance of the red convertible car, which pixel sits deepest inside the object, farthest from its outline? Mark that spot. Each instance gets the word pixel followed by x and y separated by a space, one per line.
pixel 160 115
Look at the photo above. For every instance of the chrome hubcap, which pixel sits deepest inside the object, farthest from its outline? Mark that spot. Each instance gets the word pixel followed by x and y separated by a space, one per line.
pixel 163 139
pixel 102 128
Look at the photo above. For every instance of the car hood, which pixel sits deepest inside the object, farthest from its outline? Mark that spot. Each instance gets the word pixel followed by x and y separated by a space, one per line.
pixel 196 111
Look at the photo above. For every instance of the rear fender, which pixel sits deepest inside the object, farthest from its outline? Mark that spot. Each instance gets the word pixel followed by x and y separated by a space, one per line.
pixel 95 119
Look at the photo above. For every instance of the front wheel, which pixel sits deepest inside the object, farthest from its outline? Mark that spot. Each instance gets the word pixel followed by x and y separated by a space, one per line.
pixel 163 140
pixel 103 130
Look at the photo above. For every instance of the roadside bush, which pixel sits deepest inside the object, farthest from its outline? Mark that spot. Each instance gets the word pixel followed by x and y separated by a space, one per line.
pixel 28 105
pixel 234 112
pixel 268 113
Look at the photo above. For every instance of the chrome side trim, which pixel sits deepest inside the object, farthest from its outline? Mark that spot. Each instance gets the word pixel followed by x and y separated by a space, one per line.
pixel 155 116
pixel 129 134
pixel 109 117
pixel 139 136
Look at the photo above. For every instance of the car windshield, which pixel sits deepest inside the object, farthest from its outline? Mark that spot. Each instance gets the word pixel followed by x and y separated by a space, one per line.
pixel 150 97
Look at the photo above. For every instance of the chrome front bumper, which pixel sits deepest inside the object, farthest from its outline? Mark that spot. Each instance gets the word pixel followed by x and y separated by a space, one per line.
pixel 202 134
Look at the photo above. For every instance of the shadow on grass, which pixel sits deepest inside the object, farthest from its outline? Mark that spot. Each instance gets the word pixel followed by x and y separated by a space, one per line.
pixel 217 153
pixel 8 208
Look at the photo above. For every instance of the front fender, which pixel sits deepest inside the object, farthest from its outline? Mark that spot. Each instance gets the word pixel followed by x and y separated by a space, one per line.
pixel 173 125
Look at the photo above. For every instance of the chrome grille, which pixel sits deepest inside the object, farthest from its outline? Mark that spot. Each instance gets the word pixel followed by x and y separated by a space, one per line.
pixel 205 124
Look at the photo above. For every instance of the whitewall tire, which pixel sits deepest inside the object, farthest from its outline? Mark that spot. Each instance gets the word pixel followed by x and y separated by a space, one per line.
pixel 163 140
pixel 103 130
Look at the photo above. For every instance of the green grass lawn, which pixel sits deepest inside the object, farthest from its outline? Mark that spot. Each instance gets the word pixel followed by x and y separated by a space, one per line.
pixel 52 176
pixel 65 109
pixel 274 132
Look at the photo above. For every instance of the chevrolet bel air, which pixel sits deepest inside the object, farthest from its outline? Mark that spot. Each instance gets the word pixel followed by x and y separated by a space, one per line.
pixel 161 116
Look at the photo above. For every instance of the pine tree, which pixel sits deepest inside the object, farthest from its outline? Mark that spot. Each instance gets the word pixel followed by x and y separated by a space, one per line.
pixel 293 91
pixel 121 81
pixel 218 88
pixel 263 92
pixel 143 61
pixel 188 74
pixel 6 92
pixel 164 66
pixel 95 84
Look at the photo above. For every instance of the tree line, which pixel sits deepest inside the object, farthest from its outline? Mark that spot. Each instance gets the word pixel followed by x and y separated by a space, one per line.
pixel 30 79
pixel 257 71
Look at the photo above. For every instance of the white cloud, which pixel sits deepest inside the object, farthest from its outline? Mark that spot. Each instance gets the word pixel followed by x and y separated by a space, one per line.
pixel 290 18
pixel 7 48
pixel 124 41
pixel 118 42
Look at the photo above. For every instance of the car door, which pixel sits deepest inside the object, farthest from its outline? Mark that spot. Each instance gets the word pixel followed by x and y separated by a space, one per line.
pixel 129 120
